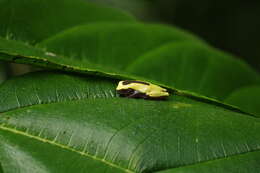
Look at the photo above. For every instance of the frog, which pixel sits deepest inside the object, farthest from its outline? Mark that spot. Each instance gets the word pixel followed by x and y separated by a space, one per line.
pixel 140 89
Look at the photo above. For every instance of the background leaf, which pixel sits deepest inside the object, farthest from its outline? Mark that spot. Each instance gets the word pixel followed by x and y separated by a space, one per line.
pixel 142 9
pixel 105 47
pixel 229 25
pixel 33 20
pixel 247 98
pixel 108 132
pixel 195 67
pixel 112 44
pixel 144 51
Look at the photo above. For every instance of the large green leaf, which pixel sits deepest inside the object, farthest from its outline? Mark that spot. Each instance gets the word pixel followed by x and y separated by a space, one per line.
pixel 34 20
pixel 79 123
pixel 247 98
pixel 195 67
pixel 113 44
pixel 166 55
pixel 18 52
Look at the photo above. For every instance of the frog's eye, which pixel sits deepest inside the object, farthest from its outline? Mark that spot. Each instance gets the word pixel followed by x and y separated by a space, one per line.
pixel 126 82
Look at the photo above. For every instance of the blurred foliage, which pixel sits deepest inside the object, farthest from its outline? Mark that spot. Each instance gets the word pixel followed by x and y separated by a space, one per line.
pixel 141 8
pixel 229 25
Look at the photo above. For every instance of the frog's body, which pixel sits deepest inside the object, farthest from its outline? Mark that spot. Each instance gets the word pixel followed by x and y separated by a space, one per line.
pixel 138 89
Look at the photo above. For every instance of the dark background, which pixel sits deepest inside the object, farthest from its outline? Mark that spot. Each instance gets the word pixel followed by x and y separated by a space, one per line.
pixel 231 25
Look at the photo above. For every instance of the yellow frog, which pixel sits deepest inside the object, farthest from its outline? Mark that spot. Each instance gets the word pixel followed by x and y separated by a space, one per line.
pixel 139 89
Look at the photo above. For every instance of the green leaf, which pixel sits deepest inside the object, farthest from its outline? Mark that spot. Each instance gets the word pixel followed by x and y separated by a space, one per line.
pixel 34 20
pixel 195 67
pixel 32 89
pixel 75 123
pixel 166 55
pixel 18 52
pixel 112 44
pixel 247 98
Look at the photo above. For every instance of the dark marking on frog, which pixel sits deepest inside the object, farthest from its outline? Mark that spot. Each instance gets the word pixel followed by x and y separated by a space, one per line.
pixel 126 82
